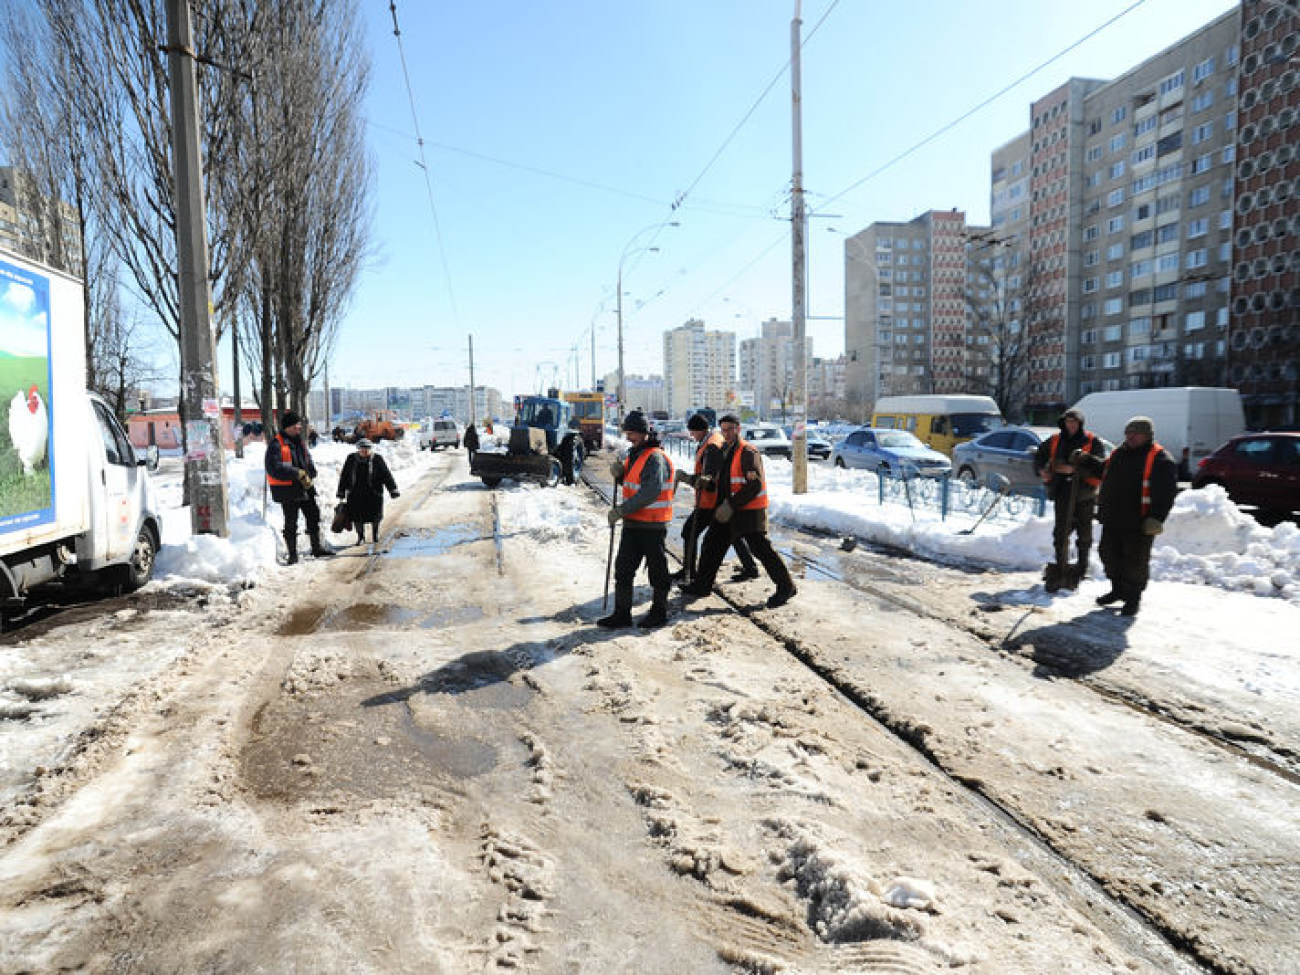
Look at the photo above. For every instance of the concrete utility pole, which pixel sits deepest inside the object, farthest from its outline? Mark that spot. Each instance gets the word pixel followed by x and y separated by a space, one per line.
pixel 205 460
pixel 799 241
pixel 472 414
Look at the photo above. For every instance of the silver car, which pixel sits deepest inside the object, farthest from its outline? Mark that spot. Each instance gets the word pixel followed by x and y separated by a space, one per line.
pixel 1008 451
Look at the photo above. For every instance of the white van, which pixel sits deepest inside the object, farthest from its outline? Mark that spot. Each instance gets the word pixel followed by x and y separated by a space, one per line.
pixel 1191 421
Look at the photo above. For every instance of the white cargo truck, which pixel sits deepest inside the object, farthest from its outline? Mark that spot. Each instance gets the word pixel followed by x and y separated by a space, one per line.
pixel 1191 421
pixel 74 498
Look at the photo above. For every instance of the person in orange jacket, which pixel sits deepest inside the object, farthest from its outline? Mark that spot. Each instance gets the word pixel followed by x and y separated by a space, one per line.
pixel 646 510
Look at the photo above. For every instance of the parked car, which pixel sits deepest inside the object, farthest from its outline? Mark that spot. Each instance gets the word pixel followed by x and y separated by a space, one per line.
pixel 1008 451
pixel 436 434
pixel 1261 469
pixel 889 452
pixel 769 440
pixel 819 448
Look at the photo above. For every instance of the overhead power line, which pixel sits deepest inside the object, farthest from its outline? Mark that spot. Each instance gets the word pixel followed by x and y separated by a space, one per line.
pixel 424 165
pixel 984 104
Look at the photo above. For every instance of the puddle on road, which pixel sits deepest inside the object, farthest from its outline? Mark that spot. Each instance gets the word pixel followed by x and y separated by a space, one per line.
pixel 312 748
pixel 419 543
pixel 369 616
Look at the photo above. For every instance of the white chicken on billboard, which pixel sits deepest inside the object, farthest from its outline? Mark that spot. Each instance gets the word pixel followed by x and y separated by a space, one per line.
pixel 26 495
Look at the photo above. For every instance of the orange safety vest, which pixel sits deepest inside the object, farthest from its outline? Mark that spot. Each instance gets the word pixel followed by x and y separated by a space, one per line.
pixel 759 501
pixel 286 455
pixel 706 498
pixel 1087 448
pixel 658 511
pixel 1152 452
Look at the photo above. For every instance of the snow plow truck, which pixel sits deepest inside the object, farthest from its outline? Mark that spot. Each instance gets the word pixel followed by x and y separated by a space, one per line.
pixel 545 446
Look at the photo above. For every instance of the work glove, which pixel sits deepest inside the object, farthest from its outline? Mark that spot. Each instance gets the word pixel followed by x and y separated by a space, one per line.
pixel 1152 526
pixel 615 515
pixel 396 495
pixel 723 513
pixel 305 480
pixel 616 468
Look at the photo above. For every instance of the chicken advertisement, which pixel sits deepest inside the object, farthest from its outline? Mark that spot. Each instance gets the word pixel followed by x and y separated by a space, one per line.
pixel 25 475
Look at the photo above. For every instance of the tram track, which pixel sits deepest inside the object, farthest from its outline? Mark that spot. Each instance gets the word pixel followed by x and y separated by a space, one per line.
pixel 881 715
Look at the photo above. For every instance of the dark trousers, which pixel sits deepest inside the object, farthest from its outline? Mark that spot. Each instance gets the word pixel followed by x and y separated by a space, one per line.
pixel 1126 557
pixel 758 544
pixel 635 545
pixel 1078 521
pixel 693 529
pixel 310 513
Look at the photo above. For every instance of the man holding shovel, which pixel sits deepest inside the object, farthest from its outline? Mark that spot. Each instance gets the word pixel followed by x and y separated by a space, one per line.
pixel 1074 496
pixel 646 510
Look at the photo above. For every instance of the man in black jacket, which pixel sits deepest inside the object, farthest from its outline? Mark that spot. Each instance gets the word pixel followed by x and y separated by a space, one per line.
pixel 291 473
pixel 1139 482
pixel 1074 496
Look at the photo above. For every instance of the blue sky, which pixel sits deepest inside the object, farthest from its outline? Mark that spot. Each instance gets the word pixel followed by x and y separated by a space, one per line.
pixel 556 132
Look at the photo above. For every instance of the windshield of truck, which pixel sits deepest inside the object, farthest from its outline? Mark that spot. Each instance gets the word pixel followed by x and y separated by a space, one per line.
pixel 973 424
pixel 538 413
pixel 588 411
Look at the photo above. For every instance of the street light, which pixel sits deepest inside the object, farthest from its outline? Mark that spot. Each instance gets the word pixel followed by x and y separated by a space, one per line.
pixel 628 251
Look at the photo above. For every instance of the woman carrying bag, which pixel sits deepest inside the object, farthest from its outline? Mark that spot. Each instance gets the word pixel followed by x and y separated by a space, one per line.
pixel 361 487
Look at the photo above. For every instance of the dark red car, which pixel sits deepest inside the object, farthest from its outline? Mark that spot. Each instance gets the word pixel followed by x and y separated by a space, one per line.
pixel 1262 469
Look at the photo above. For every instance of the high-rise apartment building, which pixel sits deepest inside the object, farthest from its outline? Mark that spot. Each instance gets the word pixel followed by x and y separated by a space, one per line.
pixel 699 367
pixel 1263 356
pixel 37 225
pixel 908 320
pixel 767 367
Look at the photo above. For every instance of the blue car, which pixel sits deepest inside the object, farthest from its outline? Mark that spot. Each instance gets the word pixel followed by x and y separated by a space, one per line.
pixel 889 452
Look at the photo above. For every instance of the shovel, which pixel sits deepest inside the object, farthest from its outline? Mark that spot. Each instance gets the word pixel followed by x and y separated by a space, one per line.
pixel 1003 487
pixel 609 559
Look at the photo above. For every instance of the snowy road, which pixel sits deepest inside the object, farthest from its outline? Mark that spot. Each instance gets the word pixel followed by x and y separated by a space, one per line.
pixel 428 759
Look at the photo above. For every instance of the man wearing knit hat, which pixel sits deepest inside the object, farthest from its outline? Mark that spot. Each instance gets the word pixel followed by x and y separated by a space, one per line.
pixel 1139 482
pixel 1074 497
pixel 646 509
pixel 290 474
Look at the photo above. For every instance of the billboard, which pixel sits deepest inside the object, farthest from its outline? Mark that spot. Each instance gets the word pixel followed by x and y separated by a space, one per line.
pixel 26 475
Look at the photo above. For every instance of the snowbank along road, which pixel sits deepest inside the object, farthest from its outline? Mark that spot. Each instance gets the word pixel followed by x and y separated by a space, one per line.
pixel 423 756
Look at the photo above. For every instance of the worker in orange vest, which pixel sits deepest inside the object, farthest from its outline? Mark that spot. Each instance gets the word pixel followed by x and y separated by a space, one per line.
pixel 741 513
pixel 646 509
pixel 291 475
pixel 1139 482
pixel 1073 494
pixel 708 454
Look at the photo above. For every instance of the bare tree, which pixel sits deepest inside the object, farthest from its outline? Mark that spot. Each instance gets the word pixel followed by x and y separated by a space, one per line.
pixel 998 302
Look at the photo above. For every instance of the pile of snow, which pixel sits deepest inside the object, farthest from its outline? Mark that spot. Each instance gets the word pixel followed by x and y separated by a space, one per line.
pixel 1208 540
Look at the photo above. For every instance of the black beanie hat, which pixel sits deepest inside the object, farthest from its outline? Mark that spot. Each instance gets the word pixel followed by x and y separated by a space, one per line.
pixel 288 418
pixel 636 422
pixel 697 422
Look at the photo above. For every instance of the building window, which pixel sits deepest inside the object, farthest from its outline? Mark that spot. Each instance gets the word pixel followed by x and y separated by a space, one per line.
pixel 1142 297
pixel 1114 252
pixel 1229 154
pixel 1167 233
pixel 1167 292
pixel 1141 212
pixel 1145 125
pixel 1091 258
pixel 1139 326
pixel 1114 279
pixel 1170 143
pixel 1203 70
pixel 1166 262
pixel 1143 238
pixel 1203 101
pixel 1089 285
pixel 1113 306
pixel 1202 132
pixel 1173 82
pixel 1117 169
pixel 1198 196
pixel 1194 322
pixel 1197 258
pixel 1093 154
pixel 1202 163
pixel 1168 204
pixel 1140 269
pixel 1117 141
pixel 1195 289
pixel 1090 233
pixel 1198 227
pixel 1112 333
pixel 1143 154
pixel 1115 224
pixel 1115 197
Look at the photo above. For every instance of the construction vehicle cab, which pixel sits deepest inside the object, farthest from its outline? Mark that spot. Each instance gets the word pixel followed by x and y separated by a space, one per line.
pixel 544 446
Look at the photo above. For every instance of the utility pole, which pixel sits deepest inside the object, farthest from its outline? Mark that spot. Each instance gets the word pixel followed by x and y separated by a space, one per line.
pixel 799 242
pixel 205 461
pixel 472 414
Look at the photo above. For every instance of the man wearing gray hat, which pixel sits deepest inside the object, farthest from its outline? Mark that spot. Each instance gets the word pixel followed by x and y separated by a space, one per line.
pixel 1139 482
pixel 361 486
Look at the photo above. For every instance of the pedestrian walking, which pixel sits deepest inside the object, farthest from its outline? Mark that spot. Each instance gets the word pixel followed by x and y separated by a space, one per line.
pixel 645 510
pixel 291 476
pixel 1074 497
pixel 1139 481
pixel 741 513
pixel 362 482
pixel 471 441
pixel 703 480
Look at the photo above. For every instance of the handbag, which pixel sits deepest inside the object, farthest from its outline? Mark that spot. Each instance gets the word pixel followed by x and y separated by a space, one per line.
pixel 342 518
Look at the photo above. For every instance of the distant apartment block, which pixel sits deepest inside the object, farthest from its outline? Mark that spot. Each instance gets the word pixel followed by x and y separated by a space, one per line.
pixel 37 226
pixel 767 367
pixel 699 367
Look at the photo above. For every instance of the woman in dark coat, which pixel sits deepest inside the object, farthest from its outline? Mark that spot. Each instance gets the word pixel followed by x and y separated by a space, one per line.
pixel 365 475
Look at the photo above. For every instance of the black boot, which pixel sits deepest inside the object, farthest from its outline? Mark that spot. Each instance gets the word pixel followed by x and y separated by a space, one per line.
pixel 784 593
pixel 1113 596
pixel 374 532
pixel 744 572
pixel 658 614
pixel 317 549
pixel 1130 607
pixel 622 615
pixel 291 546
